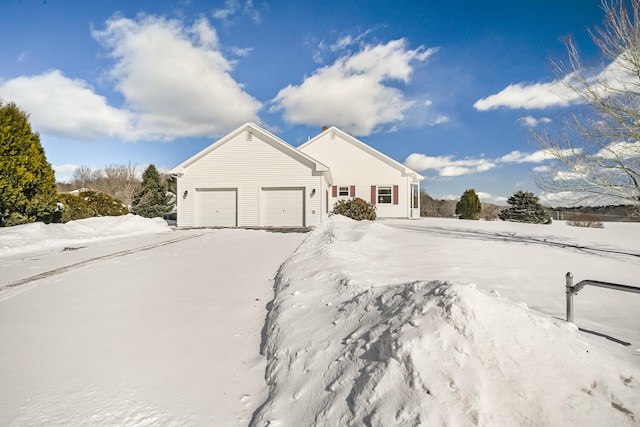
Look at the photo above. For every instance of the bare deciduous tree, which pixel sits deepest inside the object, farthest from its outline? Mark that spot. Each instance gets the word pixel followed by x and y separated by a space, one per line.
pixel 118 181
pixel 82 177
pixel 597 145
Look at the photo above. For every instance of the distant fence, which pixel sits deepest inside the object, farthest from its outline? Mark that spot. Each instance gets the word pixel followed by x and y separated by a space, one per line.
pixel 572 290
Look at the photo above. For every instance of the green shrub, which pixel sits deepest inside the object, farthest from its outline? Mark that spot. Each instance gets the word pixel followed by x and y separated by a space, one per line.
pixel 104 204
pixel 27 181
pixel 89 204
pixel 524 207
pixel 356 208
pixel 469 206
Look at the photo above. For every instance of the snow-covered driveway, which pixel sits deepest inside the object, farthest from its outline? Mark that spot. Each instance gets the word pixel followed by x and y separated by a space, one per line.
pixel 168 335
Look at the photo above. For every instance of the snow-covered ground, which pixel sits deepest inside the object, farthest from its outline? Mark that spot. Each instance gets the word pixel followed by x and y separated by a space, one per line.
pixel 429 322
pixel 138 325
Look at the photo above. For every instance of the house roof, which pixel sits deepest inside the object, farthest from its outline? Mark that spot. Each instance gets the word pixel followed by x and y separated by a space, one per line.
pixel 367 149
pixel 265 136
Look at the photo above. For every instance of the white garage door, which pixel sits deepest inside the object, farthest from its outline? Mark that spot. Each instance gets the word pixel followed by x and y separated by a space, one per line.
pixel 216 207
pixel 282 207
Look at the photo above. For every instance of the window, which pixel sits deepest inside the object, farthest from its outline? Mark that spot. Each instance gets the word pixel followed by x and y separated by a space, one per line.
pixel 384 195
pixel 343 191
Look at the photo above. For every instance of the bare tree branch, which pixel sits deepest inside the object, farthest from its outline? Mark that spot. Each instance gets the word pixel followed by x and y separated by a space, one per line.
pixel 597 146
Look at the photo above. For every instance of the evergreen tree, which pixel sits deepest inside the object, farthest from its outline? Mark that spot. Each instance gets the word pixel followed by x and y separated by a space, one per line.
pixel 524 207
pixel 469 206
pixel 151 199
pixel 27 181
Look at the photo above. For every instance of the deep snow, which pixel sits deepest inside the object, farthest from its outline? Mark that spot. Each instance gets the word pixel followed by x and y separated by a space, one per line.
pixel 429 322
pixel 143 332
pixel 363 333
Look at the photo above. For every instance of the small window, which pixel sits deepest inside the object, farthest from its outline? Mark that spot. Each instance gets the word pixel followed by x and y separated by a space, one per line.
pixel 384 195
pixel 343 191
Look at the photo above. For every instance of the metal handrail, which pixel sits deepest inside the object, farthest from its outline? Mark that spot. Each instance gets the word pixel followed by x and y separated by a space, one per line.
pixel 572 290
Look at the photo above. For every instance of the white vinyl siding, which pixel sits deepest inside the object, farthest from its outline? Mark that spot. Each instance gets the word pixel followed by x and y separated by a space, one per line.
pixel 350 164
pixel 249 166
pixel 216 207
pixel 282 207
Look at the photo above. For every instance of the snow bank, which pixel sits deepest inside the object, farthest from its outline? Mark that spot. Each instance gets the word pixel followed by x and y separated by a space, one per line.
pixel 40 237
pixel 347 346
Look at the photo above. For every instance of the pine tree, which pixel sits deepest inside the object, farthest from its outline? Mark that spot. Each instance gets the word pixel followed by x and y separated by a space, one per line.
pixel 151 199
pixel 27 181
pixel 469 206
pixel 524 207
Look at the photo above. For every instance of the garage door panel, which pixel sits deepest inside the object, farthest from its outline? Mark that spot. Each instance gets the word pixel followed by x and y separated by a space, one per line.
pixel 216 207
pixel 282 207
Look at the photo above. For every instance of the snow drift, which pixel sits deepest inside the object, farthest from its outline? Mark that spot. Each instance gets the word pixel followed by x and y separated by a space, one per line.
pixel 348 347
pixel 40 237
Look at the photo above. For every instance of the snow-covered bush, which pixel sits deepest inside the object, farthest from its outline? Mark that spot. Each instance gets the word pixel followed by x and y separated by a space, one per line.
pixel 89 204
pixel 355 208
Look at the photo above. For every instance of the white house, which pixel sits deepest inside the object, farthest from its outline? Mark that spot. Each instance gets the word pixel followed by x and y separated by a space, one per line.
pixel 252 178
pixel 358 170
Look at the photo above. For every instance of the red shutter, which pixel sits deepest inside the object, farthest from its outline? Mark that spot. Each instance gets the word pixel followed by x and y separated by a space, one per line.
pixel 334 191
pixel 352 191
pixel 395 194
pixel 373 194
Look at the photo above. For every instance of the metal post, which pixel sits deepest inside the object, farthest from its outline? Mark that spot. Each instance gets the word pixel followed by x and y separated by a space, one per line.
pixel 569 290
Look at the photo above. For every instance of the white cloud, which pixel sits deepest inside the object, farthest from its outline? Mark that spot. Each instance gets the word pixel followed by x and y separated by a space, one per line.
pixel 233 7
pixel 528 96
pixel 446 166
pixel 174 78
pixel 348 40
pixel 520 157
pixel 619 76
pixel 536 157
pixel 620 150
pixel 241 51
pixel 440 120
pixel 64 107
pixel 542 169
pixel 351 93
pixel 569 176
pixel 562 198
pixel 530 121
pixel 64 173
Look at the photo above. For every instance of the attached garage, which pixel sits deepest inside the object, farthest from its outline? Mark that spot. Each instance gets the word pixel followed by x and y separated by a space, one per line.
pixel 282 207
pixel 216 207
pixel 251 178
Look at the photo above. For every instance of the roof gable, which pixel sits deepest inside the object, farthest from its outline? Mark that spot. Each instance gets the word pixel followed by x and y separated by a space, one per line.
pixel 405 171
pixel 264 136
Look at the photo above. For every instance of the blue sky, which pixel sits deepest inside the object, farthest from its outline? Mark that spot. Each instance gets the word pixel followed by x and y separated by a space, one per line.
pixel 449 88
